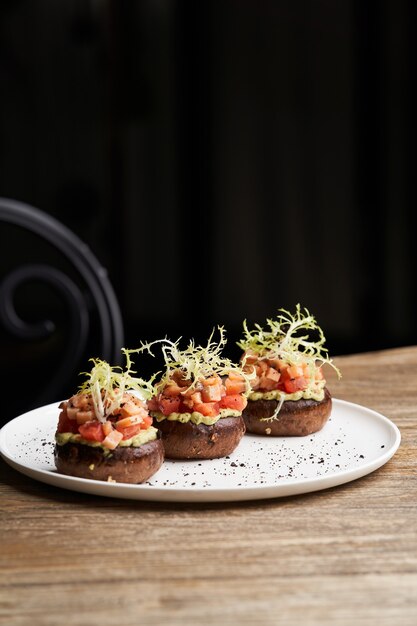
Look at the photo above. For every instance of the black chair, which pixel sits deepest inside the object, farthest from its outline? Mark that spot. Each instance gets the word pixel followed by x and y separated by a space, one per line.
pixel 42 357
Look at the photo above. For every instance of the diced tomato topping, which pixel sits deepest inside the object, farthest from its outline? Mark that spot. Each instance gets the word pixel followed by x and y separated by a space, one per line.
pixel 211 381
pixel 234 386
pixel 112 440
pixel 266 384
pixel 172 390
pixel 146 422
pixel 132 407
pixel 72 412
pixel 107 428
pixel 290 386
pixel 92 431
pixel 272 374
pixel 134 429
pixel 209 409
pixel 270 379
pixel 295 371
pixel 131 431
pixel 84 416
pixel 250 357
pixel 285 375
pixel 211 393
pixel 66 425
pixel 188 403
pixel 169 405
pixel 133 420
pixel 196 397
pixel 275 373
pixel 127 422
pixel 183 408
pixel 296 384
pixel 153 404
pixel 235 402
pixel 203 398
pixel 262 366
pixel 235 376
pixel 212 389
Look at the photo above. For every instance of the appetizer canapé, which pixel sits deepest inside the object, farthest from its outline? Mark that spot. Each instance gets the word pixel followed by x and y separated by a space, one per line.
pixel 199 400
pixel 289 396
pixel 105 431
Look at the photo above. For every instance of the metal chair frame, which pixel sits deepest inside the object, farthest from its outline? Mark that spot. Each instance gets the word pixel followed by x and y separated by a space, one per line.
pixel 99 291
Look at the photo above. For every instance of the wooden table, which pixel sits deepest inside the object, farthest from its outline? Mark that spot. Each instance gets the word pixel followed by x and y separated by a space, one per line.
pixel 347 555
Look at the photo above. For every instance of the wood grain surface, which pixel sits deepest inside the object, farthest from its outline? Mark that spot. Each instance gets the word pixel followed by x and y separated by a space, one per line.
pixel 347 555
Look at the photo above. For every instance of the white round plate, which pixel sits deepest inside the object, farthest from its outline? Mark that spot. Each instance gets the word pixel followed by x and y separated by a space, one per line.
pixel 354 442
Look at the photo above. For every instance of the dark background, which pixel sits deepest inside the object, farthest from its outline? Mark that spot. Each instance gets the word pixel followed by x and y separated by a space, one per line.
pixel 223 158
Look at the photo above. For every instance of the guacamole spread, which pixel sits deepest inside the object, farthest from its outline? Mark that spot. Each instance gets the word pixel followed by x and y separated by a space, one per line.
pixel 195 417
pixel 143 436
pixel 314 393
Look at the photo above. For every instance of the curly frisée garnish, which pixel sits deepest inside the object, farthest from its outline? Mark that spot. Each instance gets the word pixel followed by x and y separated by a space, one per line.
pixel 285 339
pixel 287 356
pixel 196 363
pixel 107 384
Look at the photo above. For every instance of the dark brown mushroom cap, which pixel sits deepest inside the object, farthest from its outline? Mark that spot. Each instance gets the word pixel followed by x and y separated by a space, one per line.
pixel 296 418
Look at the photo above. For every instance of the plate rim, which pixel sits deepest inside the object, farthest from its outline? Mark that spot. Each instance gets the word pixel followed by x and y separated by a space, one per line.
pixel 168 493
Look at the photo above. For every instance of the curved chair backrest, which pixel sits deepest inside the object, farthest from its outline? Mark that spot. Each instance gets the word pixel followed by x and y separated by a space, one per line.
pixel 91 291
